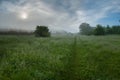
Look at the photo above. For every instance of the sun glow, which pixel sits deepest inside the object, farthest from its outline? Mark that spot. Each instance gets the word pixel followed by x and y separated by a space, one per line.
pixel 23 15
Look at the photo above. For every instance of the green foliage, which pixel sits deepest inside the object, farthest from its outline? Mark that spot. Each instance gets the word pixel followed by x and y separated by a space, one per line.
pixel 86 29
pixel 42 31
pixel 99 30
pixel 115 29
pixel 108 30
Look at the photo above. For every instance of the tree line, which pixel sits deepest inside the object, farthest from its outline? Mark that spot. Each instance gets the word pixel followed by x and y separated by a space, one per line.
pixel 86 29
pixel 40 31
pixel 15 32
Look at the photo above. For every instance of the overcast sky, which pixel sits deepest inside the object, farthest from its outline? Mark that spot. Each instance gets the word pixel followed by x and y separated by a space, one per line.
pixel 57 14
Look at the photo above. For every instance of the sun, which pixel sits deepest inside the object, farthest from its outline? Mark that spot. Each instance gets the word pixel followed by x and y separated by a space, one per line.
pixel 23 15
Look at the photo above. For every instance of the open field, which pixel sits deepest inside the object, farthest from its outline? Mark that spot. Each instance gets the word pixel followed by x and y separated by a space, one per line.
pixel 60 58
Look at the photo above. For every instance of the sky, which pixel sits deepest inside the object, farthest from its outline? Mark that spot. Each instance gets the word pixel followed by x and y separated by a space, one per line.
pixel 58 15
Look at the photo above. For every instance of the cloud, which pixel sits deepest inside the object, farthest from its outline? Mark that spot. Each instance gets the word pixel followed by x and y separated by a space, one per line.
pixel 57 14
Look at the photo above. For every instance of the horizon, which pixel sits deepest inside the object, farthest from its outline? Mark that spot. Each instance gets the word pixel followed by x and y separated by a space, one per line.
pixel 63 15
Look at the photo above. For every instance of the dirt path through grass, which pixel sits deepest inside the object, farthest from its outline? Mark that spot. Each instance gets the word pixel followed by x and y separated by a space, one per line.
pixel 72 64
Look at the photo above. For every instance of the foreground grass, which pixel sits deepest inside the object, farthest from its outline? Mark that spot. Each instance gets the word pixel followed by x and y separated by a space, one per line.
pixel 60 58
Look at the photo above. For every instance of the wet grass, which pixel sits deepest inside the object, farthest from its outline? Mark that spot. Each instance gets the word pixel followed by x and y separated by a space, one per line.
pixel 60 58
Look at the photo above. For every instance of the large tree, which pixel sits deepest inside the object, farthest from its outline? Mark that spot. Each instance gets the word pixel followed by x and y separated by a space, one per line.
pixel 42 31
pixel 85 29
pixel 99 30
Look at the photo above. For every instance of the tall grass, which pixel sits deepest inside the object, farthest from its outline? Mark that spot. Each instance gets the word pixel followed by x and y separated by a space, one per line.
pixel 60 58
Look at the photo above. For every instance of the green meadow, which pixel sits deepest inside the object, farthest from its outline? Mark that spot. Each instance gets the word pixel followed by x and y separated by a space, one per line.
pixel 60 58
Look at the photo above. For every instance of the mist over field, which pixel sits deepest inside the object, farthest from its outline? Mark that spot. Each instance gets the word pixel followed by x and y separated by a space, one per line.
pixel 59 40
pixel 62 15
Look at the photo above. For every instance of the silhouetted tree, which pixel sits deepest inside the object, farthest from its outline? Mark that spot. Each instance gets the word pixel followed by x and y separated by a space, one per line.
pixel 42 31
pixel 85 29
pixel 99 30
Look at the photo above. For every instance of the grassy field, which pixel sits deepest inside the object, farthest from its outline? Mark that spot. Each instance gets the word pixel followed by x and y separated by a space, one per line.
pixel 60 58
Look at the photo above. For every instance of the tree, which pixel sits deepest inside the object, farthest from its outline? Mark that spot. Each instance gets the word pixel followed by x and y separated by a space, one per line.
pixel 42 31
pixel 85 29
pixel 108 30
pixel 116 29
pixel 99 30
